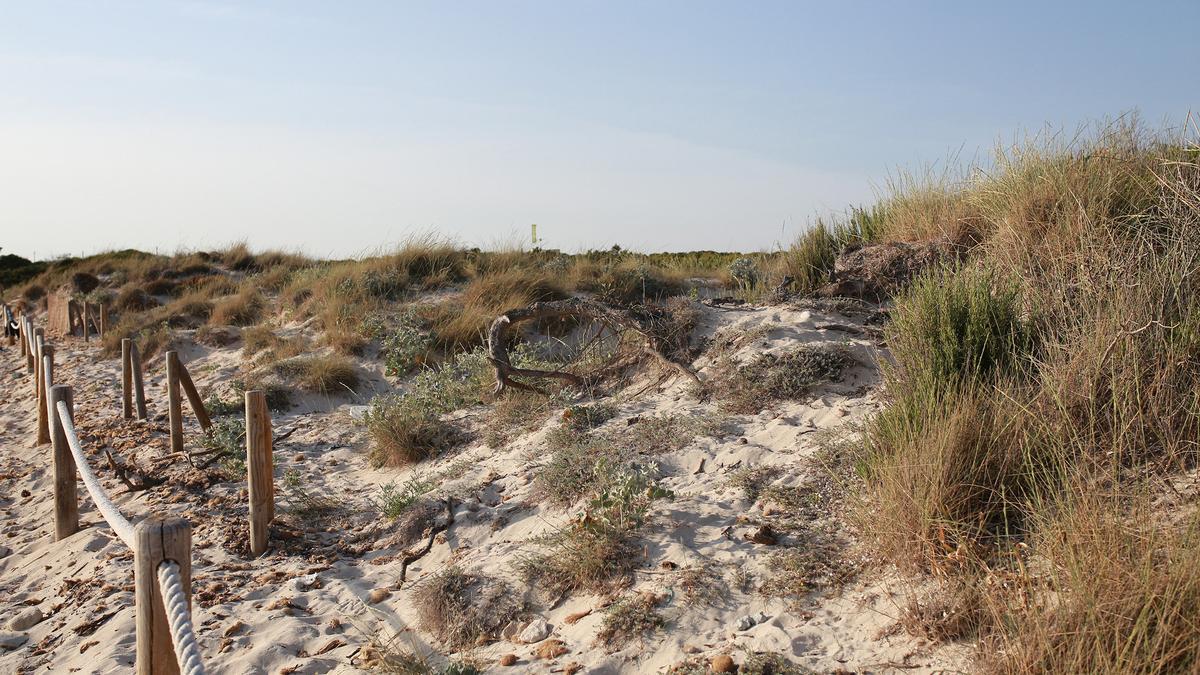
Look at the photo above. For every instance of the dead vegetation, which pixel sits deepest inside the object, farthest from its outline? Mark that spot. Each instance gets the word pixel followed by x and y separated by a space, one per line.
pixel 630 617
pixel 462 609
pixel 748 388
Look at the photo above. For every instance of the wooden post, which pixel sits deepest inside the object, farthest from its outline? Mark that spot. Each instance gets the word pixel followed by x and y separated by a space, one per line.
pixel 155 540
pixel 189 388
pixel 45 381
pixel 174 404
pixel 28 334
pixel 37 366
pixel 103 319
pixel 66 500
pixel 260 470
pixel 35 335
pixel 86 328
pixel 139 387
pixel 126 379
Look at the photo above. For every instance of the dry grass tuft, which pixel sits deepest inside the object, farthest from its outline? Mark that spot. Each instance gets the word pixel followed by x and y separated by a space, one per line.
pixel 629 617
pixel 244 308
pixel 330 374
pixel 461 608
pixel 748 388
pixel 1040 397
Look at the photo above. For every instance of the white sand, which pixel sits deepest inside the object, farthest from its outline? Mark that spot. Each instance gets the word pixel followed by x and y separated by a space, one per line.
pixel 258 616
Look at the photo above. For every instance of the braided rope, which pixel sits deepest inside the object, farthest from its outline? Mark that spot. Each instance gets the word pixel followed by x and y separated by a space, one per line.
pixel 183 636
pixel 107 509
pixel 170 584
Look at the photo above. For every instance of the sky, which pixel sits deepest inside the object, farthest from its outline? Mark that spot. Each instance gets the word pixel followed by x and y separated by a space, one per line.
pixel 341 128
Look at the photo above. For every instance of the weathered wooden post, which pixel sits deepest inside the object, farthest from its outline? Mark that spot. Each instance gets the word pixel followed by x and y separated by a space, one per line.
pixel 259 469
pixel 126 379
pixel 139 385
pixel 37 365
pixel 45 381
pixel 37 334
pixel 103 319
pixel 66 500
pixel 87 331
pixel 189 388
pixel 30 344
pixel 174 404
pixel 155 540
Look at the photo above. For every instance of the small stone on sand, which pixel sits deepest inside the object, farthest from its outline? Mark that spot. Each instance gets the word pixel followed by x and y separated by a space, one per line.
pixel 723 663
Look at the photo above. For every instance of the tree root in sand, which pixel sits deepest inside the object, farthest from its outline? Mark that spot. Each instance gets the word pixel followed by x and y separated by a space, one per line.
pixel 124 471
pixel 412 557
pixel 646 325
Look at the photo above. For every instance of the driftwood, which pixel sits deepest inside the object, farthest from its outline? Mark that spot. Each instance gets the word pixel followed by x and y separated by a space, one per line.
pixel 613 318
pixel 124 471
pixel 414 556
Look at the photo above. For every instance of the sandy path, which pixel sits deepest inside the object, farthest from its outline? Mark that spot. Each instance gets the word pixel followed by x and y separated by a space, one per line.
pixel 266 616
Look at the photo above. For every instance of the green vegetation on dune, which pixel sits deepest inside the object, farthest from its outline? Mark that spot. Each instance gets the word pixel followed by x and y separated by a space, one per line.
pixel 1040 394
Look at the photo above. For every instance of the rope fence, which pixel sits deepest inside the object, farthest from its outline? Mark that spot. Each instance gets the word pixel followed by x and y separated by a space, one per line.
pixel 166 638
pixel 109 510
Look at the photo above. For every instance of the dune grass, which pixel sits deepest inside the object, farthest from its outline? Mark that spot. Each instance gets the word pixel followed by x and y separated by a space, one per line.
pixel 1040 396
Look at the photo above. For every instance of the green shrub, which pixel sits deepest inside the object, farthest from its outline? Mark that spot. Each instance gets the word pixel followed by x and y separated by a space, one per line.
pixel 955 326
pixel 405 347
pixel 394 500
pixel 407 427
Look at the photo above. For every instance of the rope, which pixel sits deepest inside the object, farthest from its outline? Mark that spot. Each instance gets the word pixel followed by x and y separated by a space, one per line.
pixel 107 509
pixel 183 637
pixel 179 618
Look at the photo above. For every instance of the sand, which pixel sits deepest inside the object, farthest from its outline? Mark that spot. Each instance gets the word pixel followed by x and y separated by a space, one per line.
pixel 306 606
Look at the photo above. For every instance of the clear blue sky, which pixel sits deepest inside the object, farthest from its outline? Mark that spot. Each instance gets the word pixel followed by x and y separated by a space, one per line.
pixel 339 127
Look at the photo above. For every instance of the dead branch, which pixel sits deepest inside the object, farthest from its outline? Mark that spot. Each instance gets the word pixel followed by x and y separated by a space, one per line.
pixel 123 472
pixel 613 318
pixel 410 558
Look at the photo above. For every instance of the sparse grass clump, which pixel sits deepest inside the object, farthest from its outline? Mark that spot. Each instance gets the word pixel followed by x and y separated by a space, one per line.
pixel 461 608
pixel 752 480
pixel 816 563
pixel 773 377
pixel 134 299
pixel 243 308
pixel 516 413
pixel 597 553
pixel 329 374
pixel 629 617
pixel 394 500
pixel 404 433
pixel 303 504
pixel 575 465
pixel 658 434
pixel 584 418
